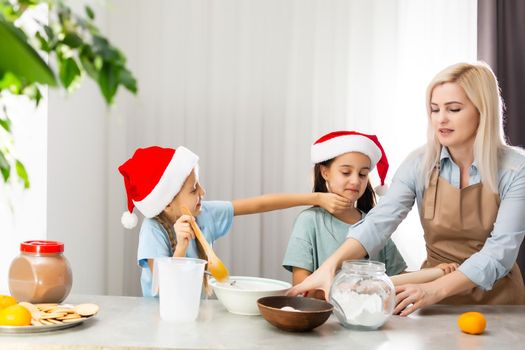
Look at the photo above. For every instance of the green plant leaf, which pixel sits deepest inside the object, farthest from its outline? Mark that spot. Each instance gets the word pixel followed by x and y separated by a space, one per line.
pixel 9 12
pixel 90 13
pixel 128 80
pixel 49 32
pixel 108 81
pixel 44 45
pixel 5 124
pixel 22 173
pixel 33 92
pixel 5 168
pixel 87 60
pixel 11 82
pixel 20 58
pixel 72 40
pixel 68 71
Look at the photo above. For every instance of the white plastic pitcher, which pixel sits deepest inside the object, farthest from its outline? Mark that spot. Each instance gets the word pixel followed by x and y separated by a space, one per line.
pixel 180 285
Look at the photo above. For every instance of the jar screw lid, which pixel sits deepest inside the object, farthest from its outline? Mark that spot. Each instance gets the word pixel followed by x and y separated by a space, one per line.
pixel 42 247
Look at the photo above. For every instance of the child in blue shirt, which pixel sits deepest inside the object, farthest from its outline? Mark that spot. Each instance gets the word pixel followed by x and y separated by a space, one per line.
pixel 160 180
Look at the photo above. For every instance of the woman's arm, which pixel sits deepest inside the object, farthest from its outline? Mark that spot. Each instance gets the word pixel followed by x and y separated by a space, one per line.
pixel 411 297
pixel 268 202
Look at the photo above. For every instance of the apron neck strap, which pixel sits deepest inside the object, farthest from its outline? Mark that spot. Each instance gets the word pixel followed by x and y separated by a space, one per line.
pixel 430 196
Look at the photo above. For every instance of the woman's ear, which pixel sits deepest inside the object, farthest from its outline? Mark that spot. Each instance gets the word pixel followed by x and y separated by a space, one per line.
pixel 324 172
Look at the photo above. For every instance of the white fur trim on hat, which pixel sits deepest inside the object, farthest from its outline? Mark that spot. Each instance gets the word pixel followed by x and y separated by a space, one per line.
pixel 170 183
pixel 129 220
pixel 381 190
pixel 343 144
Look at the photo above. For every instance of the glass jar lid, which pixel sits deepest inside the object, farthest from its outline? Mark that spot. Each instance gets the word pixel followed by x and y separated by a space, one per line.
pixel 363 266
pixel 42 247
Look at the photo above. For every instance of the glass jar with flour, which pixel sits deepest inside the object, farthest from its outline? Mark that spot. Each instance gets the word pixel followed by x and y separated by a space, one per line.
pixel 362 294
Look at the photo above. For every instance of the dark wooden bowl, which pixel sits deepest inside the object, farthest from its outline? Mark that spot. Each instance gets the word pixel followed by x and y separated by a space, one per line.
pixel 313 312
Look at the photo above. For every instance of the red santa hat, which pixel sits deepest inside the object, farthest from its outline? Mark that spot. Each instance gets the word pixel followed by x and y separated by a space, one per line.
pixel 336 143
pixel 153 176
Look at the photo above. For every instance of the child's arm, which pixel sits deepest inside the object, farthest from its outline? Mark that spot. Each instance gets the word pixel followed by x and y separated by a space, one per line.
pixel 448 268
pixel 424 275
pixel 268 202
pixel 298 275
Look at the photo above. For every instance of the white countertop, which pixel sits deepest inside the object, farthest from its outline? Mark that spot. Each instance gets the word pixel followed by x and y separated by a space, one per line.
pixel 134 323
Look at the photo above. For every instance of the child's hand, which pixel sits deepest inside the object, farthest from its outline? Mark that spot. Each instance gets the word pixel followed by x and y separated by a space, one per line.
pixel 333 203
pixel 316 293
pixel 184 234
pixel 448 268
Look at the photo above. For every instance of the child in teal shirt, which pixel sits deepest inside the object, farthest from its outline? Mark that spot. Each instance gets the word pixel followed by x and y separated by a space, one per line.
pixel 343 161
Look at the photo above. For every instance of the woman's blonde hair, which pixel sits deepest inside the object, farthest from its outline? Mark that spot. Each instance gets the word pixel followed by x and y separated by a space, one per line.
pixel 481 87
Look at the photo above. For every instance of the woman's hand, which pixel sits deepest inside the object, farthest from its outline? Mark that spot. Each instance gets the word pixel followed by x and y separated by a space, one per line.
pixel 448 268
pixel 319 281
pixel 184 234
pixel 333 203
pixel 411 297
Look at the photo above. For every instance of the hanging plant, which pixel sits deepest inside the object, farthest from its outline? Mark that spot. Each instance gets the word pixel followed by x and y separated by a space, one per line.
pixel 72 43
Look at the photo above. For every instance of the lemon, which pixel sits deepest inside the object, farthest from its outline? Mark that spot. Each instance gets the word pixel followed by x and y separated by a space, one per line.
pixel 6 300
pixel 472 322
pixel 15 315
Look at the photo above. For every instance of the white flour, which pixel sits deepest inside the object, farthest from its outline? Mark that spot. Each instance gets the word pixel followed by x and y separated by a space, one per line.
pixel 362 309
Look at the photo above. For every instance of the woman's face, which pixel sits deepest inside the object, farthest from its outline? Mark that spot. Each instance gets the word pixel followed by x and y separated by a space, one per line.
pixel 454 117
pixel 347 175
pixel 189 195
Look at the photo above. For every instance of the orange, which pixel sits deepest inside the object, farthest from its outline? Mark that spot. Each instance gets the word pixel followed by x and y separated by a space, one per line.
pixel 472 322
pixel 6 300
pixel 15 315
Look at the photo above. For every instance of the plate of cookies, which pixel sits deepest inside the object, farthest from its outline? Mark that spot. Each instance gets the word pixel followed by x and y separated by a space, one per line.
pixel 53 317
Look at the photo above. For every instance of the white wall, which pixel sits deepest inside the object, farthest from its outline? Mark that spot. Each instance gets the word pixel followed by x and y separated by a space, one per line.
pixel 23 212
pixel 76 182
pixel 76 186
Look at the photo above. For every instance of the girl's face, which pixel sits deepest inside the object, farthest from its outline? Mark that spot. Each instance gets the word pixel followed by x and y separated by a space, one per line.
pixel 454 117
pixel 347 175
pixel 189 195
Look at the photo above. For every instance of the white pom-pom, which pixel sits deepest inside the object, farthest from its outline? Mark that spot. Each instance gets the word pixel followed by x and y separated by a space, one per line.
pixel 129 220
pixel 381 190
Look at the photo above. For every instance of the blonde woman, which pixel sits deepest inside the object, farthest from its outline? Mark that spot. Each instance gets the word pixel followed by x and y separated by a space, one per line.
pixel 469 186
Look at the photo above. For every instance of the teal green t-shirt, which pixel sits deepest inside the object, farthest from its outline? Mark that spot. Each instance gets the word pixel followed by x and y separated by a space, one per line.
pixel 317 234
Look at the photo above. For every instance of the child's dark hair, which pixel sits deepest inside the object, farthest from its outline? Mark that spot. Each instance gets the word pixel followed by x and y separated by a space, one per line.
pixel 365 203
pixel 163 220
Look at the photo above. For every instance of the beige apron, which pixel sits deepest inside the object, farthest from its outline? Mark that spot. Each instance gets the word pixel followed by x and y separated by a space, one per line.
pixel 457 222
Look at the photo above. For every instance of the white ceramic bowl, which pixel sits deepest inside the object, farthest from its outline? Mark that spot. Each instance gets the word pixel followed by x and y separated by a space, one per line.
pixel 239 295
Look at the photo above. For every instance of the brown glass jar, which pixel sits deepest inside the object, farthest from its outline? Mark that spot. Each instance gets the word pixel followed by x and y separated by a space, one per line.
pixel 41 273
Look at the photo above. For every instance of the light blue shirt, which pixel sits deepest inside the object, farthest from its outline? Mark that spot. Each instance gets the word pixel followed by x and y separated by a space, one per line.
pixel 499 252
pixel 215 220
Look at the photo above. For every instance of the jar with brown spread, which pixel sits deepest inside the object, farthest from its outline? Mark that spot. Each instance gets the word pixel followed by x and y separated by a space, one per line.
pixel 41 273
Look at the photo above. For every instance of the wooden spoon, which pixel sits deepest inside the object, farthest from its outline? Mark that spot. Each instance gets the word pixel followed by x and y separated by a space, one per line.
pixel 215 265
